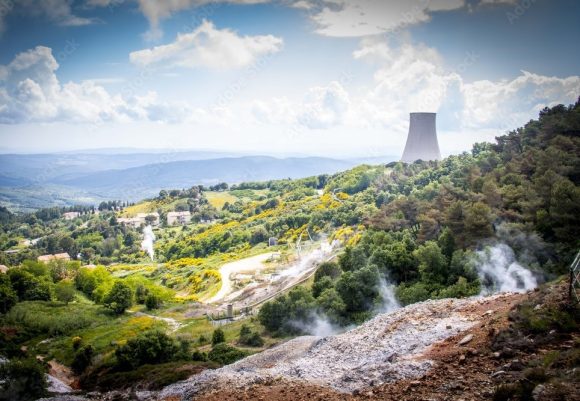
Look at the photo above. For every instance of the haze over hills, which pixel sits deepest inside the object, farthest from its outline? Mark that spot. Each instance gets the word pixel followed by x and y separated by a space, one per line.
pixel 30 181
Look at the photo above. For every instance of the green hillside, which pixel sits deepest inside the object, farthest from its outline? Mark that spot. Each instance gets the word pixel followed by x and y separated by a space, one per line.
pixel 115 315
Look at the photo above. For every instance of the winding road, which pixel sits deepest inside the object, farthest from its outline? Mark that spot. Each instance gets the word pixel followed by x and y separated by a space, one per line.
pixel 251 264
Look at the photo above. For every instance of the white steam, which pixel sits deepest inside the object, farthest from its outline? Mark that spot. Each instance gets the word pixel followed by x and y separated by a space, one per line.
pixel 148 240
pixel 499 271
pixel 319 325
pixel 388 300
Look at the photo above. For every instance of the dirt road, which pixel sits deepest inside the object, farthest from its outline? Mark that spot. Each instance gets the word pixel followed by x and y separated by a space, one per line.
pixel 251 264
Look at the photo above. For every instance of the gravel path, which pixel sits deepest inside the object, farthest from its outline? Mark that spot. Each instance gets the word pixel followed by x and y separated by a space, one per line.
pixel 251 264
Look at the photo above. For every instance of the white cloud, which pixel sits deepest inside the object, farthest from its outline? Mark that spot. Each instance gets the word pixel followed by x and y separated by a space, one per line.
pixel 325 107
pixel 322 107
pixel 155 10
pixel 357 18
pixel 57 11
pixel 209 47
pixel 413 77
pixel 31 92
pixel 508 103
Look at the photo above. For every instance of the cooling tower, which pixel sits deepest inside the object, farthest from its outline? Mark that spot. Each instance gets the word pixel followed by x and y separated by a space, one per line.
pixel 422 140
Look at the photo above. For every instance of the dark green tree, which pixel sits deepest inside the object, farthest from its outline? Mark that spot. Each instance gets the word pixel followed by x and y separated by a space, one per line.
pixel 119 298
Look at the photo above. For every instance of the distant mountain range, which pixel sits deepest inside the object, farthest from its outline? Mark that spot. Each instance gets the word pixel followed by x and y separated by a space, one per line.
pixel 32 181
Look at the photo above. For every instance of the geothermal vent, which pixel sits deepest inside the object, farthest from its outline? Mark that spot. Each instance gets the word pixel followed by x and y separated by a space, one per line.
pixel 422 140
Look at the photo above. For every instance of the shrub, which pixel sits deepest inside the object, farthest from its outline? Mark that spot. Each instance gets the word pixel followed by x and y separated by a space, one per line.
pixel 150 347
pixel 119 298
pixel 250 338
pixel 22 380
pixel 8 296
pixel 199 356
pixel 152 302
pixel 82 360
pixel 225 354
pixel 218 337
pixel 76 342
pixel 409 294
pixel 64 291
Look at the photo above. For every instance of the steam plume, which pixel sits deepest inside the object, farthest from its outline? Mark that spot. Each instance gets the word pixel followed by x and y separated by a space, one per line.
pixel 148 240
pixel 499 271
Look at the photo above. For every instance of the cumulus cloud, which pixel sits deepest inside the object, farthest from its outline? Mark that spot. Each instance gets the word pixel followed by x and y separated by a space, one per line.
pixel 155 11
pixel 31 92
pixel 322 107
pixel 507 103
pixel 413 78
pixel 357 18
pixel 209 47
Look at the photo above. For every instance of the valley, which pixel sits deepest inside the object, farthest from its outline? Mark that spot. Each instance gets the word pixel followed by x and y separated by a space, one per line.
pixel 355 285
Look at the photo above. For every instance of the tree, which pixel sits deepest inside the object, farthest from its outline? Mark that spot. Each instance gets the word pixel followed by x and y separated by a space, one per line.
pixel 8 297
pixel 64 291
pixel 119 298
pixel 446 242
pixel 358 290
pixel 432 263
pixel 225 354
pixel 150 347
pixel 319 286
pixel 249 337
pixel 327 269
pixel 218 336
pixel 273 314
pixel 478 222
pixel 331 304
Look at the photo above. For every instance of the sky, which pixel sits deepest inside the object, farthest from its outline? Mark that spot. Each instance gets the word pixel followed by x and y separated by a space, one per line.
pixel 334 78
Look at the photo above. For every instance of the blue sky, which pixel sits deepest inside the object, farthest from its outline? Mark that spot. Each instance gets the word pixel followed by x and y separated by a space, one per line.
pixel 324 77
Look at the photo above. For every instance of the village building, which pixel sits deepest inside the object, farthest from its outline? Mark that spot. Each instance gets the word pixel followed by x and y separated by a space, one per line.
pixel 140 219
pixel 49 258
pixel 175 218
pixel 70 215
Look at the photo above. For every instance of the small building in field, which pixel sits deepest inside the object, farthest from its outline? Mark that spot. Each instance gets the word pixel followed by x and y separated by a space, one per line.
pixel 70 215
pixel 140 219
pixel 153 218
pixel 272 241
pixel 175 218
pixel 49 258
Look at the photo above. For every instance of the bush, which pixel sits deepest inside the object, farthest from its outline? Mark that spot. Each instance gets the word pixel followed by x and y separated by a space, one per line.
pixel 409 294
pixel 64 291
pixel 150 347
pixel 53 319
pixel 152 302
pixel 82 360
pixel 22 380
pixel 250 338
pixel 119 298
pixel 8 297
pixel 218 337
pixel 225 354
pixel 199 356
pixel 76 342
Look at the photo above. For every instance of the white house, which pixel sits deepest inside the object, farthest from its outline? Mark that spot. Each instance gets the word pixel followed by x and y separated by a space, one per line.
pixel 174 218
pixel 71 215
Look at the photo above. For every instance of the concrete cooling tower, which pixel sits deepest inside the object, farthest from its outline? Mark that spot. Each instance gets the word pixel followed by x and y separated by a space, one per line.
pixel 422 140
